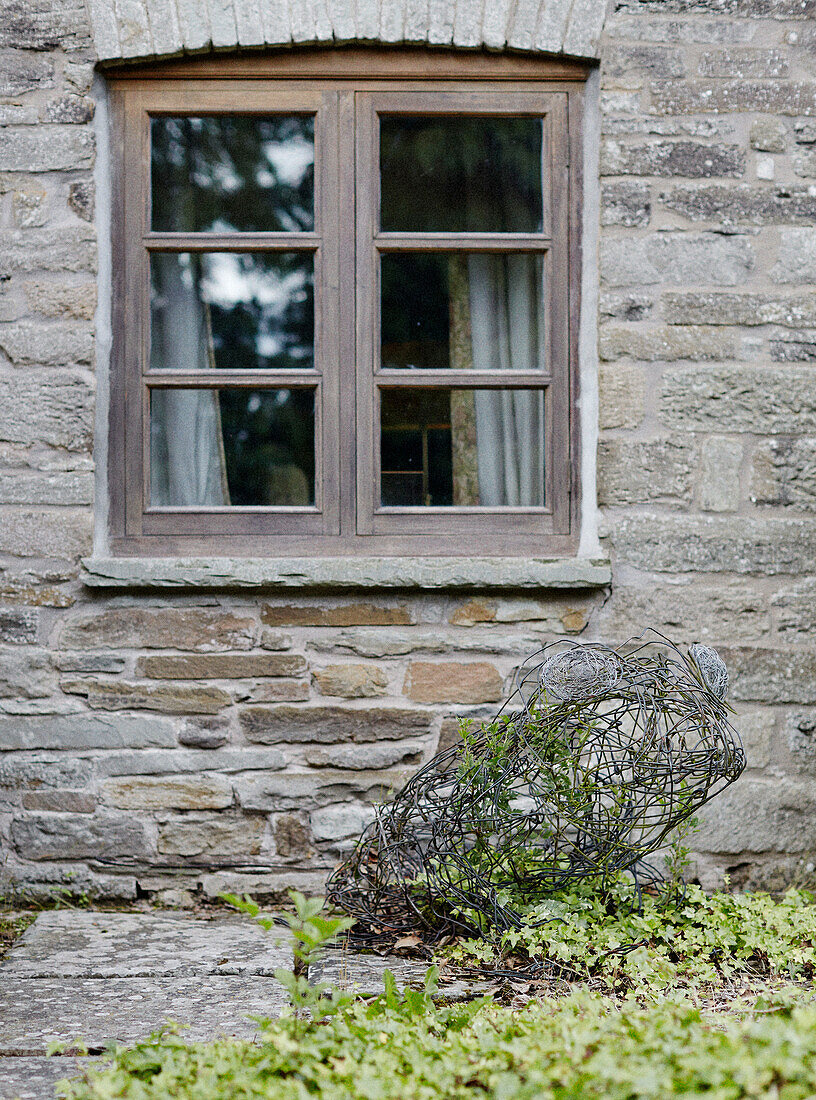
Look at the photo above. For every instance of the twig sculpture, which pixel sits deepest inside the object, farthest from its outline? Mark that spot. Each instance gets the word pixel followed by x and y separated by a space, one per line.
pixel 598 754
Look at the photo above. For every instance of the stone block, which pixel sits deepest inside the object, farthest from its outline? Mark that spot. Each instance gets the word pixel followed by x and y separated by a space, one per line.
pixel 24 72
pixel 277 691
pixel 76 301
pixel 453 682
pixel 765 675
pixel 727 308
pixel 771 97
pixel 331 725
pixel 18 625
pixel 625 306
pixel 769 135
pixel 64 249
pixel 44 407
pixel 70 944
pixel 81 199
pixel 318 614
pixel 340 822
pixel 756 730
pixel 34 1077
pixel 684 544
pixel 299 791
pixel 45 24
pixel 637 27
pixel 627 204
pixel 562 615
pixel 634 472
pixel 274 639
pixel 164 698
pixel 204 733
pixel 33 587
pixel 794 609
pixel 85 731
pixel 676 258
pixel 789 347
pixel 71 109
pixel 387 755
pixel 393 643
pixel 265 885
pixel 29 207
pixel 183 792
pixel 731 611
pixel 741 204
pixel 759 816
pixel 292 837
pixel 657 61
pixel 25 673
pixel 622 396
pixel 64 532
pixel 665 343
pixel 59 801
pixel 720 474
pixel 764 400
pixel 804 131
pixel 796 260
pixel 221 666
pixel 103 836
pixel 351 681
pixel 689 159
pixel 742 63
pixel 20 486
pixel 159 628
pixel 87 662
pixel 186 761
pixel 46 149
pixel 212 839
pixel 783 473
pixel 799 728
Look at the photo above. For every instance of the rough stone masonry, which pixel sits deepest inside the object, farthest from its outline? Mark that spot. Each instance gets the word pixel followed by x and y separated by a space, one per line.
pixel 181 744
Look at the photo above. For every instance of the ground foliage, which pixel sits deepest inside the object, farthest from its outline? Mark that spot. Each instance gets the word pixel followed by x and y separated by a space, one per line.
pixel 641 1042
pixel 696 939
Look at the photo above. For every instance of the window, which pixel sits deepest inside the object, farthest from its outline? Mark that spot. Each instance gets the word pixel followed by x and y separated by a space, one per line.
pixel 345 305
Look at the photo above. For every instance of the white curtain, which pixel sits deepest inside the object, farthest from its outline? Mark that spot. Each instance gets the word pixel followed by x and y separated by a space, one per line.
pixel 507 334
pixel 186 443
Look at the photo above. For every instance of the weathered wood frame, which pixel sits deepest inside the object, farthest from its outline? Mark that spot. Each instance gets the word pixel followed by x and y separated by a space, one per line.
pixel 344 88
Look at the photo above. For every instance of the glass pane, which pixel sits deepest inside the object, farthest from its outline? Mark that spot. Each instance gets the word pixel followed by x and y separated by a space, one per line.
pixel 229 173
pixel 231 310
pixel 461 175
pixel 459 447
pixel 230 446
pixel 474 311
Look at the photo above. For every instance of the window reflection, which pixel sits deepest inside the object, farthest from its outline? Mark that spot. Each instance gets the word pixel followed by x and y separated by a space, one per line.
pixel 232 446
pixel 226 173
pixel 232 310
pixel 463 174
pixel 462 447
pixel 477 311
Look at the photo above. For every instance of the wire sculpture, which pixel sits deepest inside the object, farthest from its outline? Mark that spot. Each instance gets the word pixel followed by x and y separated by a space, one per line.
pixel 597 755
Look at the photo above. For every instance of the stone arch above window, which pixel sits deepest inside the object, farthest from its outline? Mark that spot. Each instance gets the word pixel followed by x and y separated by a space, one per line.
pixel 155 28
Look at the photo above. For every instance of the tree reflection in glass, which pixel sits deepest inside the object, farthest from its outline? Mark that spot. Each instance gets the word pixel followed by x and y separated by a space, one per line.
pixel 232 173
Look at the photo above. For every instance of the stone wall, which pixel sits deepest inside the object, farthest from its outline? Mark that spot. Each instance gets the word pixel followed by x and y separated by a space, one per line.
pixel 153 742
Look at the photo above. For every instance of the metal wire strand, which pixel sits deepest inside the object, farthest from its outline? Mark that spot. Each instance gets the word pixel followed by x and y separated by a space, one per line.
pixel 597 755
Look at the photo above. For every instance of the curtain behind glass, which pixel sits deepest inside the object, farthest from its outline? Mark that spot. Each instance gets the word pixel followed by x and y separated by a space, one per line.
pixel 186 444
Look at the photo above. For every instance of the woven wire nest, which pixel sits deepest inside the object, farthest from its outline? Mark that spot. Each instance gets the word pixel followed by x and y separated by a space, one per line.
pixel 597 755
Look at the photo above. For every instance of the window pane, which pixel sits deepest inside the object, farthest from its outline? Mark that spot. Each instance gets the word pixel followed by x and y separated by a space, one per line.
pixel 232 172
pixel 231 446
pixel 231 310
pixel 458 447
pixel 464 174
pixel 474 311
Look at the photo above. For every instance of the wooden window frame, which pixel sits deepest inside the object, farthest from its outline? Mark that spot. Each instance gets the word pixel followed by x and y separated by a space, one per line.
pixel 344 88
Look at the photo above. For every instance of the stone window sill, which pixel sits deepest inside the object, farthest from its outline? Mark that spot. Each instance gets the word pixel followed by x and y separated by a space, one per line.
pixel 404 572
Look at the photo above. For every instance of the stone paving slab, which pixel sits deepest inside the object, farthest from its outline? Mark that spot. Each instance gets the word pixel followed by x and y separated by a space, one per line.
pixel 364 974
pixel 70 943
pixel 34 1078
pixel 36 1011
